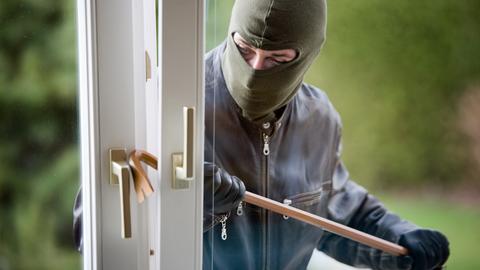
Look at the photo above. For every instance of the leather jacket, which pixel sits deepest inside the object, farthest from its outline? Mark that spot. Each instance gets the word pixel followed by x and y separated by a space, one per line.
pixel 294 159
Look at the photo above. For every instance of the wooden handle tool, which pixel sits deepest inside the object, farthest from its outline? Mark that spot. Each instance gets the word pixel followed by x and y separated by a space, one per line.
pixel 142 184
pixel 325 224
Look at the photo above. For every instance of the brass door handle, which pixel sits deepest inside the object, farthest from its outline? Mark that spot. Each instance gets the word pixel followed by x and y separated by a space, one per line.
pixel 183 164
pixel 120 175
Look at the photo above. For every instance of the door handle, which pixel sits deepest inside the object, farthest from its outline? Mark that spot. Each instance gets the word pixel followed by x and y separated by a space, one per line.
pixel 183 168
pixel 120 175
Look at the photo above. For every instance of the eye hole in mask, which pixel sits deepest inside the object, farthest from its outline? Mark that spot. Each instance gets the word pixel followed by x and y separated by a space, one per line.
pixel 262 59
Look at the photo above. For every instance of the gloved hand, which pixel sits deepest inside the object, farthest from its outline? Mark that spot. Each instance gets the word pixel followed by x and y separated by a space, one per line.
pixel 222 192
pixel 428 249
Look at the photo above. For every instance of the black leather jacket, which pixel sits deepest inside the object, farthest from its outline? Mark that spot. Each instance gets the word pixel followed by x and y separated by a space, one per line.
pixel 294 160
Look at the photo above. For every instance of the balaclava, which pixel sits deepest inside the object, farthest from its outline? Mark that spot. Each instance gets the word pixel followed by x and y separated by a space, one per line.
pixel 272 25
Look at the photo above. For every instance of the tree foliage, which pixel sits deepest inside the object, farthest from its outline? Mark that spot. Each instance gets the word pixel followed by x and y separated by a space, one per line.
pixel 396 72
pixel 38 134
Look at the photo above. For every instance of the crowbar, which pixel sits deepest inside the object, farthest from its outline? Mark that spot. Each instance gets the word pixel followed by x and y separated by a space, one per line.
pixel 326 224
pixel 142 184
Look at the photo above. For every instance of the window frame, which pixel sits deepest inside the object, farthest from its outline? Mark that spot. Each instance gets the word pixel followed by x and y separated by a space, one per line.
pixel 112 38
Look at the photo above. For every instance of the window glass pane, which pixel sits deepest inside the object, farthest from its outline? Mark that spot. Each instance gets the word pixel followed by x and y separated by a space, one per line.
pixel 403 80
pixel 39 160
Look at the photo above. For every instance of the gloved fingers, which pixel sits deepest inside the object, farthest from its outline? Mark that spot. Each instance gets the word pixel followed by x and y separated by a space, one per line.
pixel 215 188
pixel 231 197
pixel 430 256
pixel 219 182
pixel 240 193
pixel 387 261
pixel 209 169
pixel 444 245
pixel 421 257
pixel 416 251
pixel 441 245
pixel 428 248
pixel 242 189
pixel 404 262
pixel 211 177
pixel 437 251
pixel 222 192
pixel 224 185
pixel 435 245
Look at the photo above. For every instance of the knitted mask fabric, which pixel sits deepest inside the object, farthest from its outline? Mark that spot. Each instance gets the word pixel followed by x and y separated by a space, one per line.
pixel 272 25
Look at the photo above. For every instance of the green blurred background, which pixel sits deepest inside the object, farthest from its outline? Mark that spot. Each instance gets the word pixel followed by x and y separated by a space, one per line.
pixel 39 161
pixel 405 77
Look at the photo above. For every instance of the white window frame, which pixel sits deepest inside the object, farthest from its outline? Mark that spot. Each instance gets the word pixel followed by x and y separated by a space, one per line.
pixel 119 109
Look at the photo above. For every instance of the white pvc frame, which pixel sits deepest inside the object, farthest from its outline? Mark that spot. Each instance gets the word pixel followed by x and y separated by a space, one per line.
pixel 116 110
pixel 88 108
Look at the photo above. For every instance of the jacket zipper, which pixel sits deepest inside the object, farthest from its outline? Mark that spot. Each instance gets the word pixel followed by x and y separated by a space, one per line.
pixel 287 202
pixel 240 209
pixel 266 153
pixel 223 221
pixel 266 146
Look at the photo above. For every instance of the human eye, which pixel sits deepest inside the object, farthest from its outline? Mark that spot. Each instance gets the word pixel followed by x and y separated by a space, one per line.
pixel 243 50
pixel 284 56
pixel 279 60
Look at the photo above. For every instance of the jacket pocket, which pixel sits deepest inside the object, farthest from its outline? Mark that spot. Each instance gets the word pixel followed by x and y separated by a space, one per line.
pixel 305 199
pixel 315 201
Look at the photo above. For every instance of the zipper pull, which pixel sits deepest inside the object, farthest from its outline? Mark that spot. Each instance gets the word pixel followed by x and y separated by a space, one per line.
pixel 266 141
pixel 287 202
pixel 240 209
pixel 223 221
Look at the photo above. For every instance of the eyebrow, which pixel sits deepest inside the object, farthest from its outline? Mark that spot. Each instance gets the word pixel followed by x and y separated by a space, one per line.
pixel 243 42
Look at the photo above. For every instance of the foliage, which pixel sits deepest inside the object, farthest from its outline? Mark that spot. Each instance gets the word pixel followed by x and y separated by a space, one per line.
pixel 38 133
pixel 395 72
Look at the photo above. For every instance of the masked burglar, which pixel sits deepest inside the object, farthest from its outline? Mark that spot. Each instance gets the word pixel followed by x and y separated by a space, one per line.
pixel 268 132
pixel 272 134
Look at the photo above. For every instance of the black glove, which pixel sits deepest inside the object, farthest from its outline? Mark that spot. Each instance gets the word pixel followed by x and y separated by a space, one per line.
pixel 222 192
pixel 428 249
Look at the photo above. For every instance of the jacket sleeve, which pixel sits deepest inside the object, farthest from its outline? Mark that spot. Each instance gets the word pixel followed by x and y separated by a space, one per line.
pixel 352 205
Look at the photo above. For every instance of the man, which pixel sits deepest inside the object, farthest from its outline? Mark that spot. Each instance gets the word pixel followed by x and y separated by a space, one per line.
pixel 272 134
pixel 268 132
